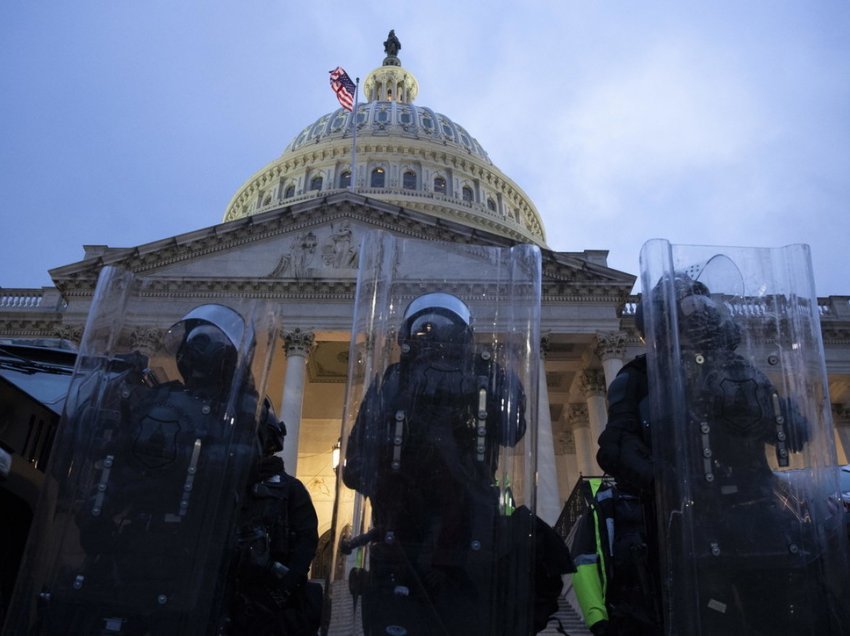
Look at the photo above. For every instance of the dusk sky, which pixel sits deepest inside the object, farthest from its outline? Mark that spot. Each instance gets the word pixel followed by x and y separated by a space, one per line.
pixel 715 122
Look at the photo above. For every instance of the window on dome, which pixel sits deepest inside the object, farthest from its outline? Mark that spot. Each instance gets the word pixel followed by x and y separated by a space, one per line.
pixel 427 122
pixel 467 194
pixel 378 178
pixel 383 116
pixel 316 183
pixel 409 180
pixel 345 179
pixel 361 116
pixel 491 204
pixel 406 118
pixel 440 185
pixel 317 128
pixel 289 192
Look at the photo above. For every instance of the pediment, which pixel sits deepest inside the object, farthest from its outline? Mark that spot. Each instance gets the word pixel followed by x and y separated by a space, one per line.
pixel 317 240
pixel 324 250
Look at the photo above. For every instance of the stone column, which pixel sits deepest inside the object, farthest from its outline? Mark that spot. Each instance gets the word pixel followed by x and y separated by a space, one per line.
pixel 585 448
pixel 841 418
pixel 593 387
pixel 565 456
pixel 548 499
pixel 611 347
pixel 297 345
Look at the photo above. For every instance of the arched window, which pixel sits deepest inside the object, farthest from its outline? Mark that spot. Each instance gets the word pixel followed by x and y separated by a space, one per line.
pixel 345 179
pixel 316 183
pixel 440 185
pixel 378 177
pixel 491 204
pixel 467 194
pixel 409 180
pixel 289 192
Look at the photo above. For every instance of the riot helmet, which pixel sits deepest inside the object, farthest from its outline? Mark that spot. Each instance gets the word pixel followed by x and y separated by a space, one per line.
pixel 271 430
pixel 436 322
pixel 683 286
pixel 205 345
pixel 707 324
pixel 703 322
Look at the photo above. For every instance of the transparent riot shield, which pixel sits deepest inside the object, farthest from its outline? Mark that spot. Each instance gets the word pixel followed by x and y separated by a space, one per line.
pixel 434 520
pixel 134 533
pixel 750 522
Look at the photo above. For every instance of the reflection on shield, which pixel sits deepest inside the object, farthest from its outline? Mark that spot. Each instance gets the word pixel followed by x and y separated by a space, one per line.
pixel 739 406
pixel 155 443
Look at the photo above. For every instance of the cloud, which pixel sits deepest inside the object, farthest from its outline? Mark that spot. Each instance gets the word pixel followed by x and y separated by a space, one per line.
pixel 670 118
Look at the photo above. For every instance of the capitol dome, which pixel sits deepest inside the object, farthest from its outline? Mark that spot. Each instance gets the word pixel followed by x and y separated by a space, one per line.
pixel 408 155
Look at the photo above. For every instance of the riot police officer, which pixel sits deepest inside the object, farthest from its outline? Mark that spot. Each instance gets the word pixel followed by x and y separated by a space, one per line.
pixel 633 593
pixel 424 449
pixel 746 543
pixel 161 456
pixel 277 540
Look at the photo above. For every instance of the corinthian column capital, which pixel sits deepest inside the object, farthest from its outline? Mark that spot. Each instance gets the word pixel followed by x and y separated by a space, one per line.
pixel 592 382
pixel 577 415
pixel 611 344
pixel 74 333
pixel 146 340
pixel 298 342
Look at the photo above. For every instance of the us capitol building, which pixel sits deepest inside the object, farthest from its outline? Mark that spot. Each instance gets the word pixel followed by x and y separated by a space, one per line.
pixel 292 232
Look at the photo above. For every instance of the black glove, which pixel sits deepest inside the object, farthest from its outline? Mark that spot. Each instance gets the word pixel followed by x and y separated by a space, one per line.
pixel 599 628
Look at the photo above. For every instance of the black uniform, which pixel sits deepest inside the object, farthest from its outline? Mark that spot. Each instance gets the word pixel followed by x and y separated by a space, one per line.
pixel 158 460
pixel 753 553
pixel 424 449
pixel 750 552
pixel 633 595
pixel 278 541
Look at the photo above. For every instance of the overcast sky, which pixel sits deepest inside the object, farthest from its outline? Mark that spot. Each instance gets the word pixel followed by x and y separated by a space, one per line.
pixel 714 122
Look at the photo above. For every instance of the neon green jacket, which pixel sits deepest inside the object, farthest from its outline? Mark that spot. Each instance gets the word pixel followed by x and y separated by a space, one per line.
pixel 590 580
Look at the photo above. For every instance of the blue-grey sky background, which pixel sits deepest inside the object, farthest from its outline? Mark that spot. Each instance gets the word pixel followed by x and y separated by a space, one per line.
pixel 717 122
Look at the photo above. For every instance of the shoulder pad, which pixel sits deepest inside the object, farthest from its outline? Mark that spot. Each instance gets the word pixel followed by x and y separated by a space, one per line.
pixel 618 390
pixel 638 363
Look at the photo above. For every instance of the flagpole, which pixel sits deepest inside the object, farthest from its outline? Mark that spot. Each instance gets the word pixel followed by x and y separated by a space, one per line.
pixel 354 138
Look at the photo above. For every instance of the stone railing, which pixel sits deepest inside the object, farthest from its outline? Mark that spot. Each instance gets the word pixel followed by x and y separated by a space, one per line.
pixel 22 299
pixel 834 307
pixel 829 307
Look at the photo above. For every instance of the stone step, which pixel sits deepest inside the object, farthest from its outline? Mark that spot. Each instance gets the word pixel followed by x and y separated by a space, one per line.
pixel 347 620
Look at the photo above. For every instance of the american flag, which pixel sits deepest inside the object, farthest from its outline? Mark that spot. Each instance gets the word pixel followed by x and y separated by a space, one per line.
pixel 344 88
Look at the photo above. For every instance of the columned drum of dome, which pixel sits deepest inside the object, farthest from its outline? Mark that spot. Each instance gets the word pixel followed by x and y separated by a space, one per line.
pixel 428 162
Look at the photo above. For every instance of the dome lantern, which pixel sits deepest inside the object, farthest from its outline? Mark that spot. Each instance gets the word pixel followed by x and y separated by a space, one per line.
pixel 390 82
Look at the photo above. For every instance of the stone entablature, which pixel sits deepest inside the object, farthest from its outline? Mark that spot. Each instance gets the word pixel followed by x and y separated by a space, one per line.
pixel 335 223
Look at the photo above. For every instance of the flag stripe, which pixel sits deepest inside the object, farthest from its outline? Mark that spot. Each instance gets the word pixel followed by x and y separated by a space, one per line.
pixel 344 88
